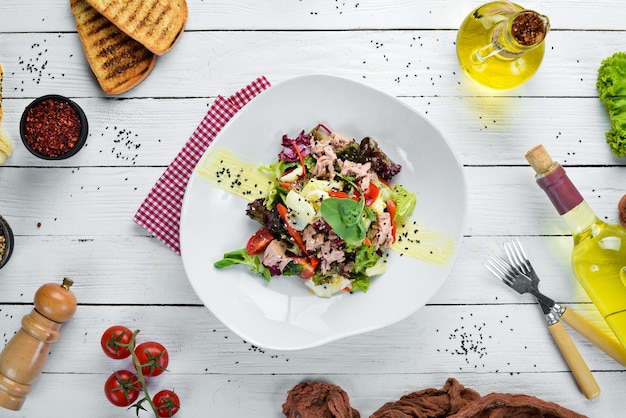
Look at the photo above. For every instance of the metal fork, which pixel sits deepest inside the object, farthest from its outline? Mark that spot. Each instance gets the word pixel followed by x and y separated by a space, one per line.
pixel 517 279
pixel 520 282
pixel 528 281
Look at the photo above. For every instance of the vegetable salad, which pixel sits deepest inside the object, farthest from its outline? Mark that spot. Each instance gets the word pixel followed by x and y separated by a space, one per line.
pixel 330 215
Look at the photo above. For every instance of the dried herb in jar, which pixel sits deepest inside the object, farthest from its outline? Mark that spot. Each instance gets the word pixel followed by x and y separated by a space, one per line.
pixel 52 127
pixel 528 28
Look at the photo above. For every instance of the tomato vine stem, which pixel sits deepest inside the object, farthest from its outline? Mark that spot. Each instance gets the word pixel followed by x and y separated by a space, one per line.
pixel 140 376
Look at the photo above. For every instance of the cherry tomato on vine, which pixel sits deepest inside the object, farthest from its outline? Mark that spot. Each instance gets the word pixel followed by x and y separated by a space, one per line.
pixel 111 340
pixel 153 358
pixel 167 403
pixel 122 388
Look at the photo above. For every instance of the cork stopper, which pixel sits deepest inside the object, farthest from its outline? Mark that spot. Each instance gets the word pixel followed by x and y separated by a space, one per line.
pixel 539 159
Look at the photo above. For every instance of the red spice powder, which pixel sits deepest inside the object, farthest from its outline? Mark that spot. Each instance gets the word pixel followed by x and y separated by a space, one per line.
pixel 52 127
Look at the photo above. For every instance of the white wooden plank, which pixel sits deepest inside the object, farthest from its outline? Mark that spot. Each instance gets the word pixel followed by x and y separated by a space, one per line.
pixel 142 271
pixel 403 63
pixel 498 339
pixel 482 131
pixel 509 350
pixel 101 201
pixel 327 14
pixel 263 395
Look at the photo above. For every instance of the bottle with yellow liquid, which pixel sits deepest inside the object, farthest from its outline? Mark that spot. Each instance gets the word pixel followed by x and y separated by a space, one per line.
pixel 599 254
pixel 500 44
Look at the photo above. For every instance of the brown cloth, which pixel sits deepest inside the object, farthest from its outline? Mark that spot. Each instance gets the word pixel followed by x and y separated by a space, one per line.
pixel 457 401
pixel 324 400
pixel 318 400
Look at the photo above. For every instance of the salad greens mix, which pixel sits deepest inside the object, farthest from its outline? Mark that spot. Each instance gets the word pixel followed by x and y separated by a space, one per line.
pixel 330 215
pixel 611 85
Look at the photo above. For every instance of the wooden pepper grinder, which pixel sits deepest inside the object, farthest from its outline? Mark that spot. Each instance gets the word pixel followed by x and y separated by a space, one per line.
pixel 24 356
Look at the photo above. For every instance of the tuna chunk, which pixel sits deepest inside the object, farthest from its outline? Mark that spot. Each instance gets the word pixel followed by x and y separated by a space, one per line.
pixel 325 164
pixel 381 232
pixel 274 255
pixel 357 170
pixel 329 254
pixel 337 141
pixel 313 239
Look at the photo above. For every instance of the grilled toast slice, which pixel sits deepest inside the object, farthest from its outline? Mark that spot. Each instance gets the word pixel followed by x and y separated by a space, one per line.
pixel 156 24
pixel 117 60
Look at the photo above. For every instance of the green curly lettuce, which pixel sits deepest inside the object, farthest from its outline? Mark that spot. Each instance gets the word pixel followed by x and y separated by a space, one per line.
pixel 611 85
pixel 405 202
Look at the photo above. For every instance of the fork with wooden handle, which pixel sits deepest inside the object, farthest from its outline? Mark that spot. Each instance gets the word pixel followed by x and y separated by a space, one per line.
pixel 522 284
pixel 603 340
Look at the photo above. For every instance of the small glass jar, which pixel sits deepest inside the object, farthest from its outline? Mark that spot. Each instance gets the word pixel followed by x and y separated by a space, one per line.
pixel 53 127
pixel 6 242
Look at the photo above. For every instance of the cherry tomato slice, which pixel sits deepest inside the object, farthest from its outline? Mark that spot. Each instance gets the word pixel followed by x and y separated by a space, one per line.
pixel 153 358
pixel 122 388
pixel 259 241
pixel 167 403
pixel 113 341
pixel 308 266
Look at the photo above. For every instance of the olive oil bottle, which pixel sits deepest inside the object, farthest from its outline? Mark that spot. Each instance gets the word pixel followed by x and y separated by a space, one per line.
pixel 599 254
pixel 500 44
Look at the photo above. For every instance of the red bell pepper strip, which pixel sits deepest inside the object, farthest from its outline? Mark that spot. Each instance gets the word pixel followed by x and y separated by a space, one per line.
pixel 295 147
pixel 370 195
pixel 282 211
pixel 391 208
pixel 338 194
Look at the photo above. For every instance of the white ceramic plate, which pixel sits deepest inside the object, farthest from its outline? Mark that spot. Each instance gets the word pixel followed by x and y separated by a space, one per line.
pixel 283 314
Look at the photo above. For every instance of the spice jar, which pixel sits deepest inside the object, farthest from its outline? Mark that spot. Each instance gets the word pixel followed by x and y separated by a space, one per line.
pixel 53 127
pixel 6 242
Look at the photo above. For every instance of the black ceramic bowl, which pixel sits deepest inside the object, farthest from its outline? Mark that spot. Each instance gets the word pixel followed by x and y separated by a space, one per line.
pixel 49 127
pixel 7 233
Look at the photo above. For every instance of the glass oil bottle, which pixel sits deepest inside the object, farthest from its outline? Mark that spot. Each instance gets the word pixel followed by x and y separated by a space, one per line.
pixel 500 44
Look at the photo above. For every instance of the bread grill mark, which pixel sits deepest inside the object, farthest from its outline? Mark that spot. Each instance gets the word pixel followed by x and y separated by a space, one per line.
pixel 146 24
pixel 133 12
pixel 121 67
pixel 138 22
pixel 121 52
pixel 97 24
pixel 118 61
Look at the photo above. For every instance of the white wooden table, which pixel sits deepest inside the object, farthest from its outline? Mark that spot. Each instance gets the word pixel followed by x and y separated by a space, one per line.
pixel 74 218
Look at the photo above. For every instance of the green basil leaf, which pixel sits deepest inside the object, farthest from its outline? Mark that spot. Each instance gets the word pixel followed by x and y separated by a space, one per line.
pixel 345 217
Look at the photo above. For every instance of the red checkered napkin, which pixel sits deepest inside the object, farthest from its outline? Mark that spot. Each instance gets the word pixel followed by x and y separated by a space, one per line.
pixel 159 213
